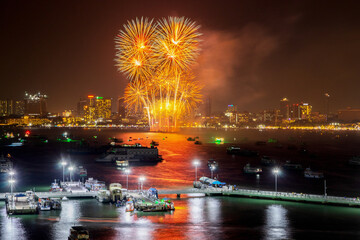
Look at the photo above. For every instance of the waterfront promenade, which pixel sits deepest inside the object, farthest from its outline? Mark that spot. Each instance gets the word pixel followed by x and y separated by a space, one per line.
pixel 269 195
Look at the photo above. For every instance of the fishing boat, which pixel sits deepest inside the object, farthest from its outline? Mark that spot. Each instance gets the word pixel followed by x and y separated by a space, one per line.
pixel 78 233
pixel 94 185
pixel 308 173
pixel 252 170
pixel 103 196
pixel 55 187
pixel 44 204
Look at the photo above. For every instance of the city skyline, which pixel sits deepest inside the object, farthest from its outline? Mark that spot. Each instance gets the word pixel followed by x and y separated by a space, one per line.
pixel 254 59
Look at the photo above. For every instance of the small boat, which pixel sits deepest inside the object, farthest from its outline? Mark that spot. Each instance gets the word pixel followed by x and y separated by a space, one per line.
pixel 129 206
pixel 308 173
pixel 55 204
pixel 267 161
pixel 122 163
pixel 103 196
pixel 55 187
pixel 252 170
pixel 354 160
pixel 44 204
pixel 292 166
pixel 64 198
pixel 190 139
pixel 197 143
pixel 153 143
pixel 78 233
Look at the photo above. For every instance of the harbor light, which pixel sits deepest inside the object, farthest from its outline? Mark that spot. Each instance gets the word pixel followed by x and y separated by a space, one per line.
pixel 11 181
pixel 63 163
pixel 11 173
pixel 127 172
pixel 141 180
pixel 276 172
pixel 196 163
pixel 71 168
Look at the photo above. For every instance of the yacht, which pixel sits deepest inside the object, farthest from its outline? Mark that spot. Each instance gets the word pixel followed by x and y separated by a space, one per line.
pixel 308 173
pixel 354 160
pixel 5 163
pixel 132 153
pixel 252 170
pixel 103 196
pixel 292 166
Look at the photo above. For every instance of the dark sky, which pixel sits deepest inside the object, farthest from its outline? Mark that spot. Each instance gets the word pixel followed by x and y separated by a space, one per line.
pixel 253 52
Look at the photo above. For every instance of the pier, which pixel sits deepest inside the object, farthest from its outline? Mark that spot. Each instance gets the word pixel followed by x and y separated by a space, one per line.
pixel 245 193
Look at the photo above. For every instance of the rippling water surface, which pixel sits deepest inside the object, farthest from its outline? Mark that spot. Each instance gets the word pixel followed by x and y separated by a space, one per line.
pixel 197 217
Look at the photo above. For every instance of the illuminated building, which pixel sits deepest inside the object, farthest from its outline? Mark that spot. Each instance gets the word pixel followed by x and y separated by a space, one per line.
pixel 284 108
pixel 295 113
pixel 35 104
pixel 121 108
pixel 81 107
pixel 231 113
pixel 89 110
pixel 6 107
pixel 305 110
pixel 19 108
pixel 102 108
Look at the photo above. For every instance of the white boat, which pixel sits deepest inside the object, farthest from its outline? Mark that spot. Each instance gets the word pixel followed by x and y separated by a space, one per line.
pixel 308 173
pixel 354 160
pixel 252 170
pixel 94 185
pixel 116 193
pixel 122 163
pixel 103 196
pixel 74 187
pixel 55 187
pixel 5 163
pixel 44 204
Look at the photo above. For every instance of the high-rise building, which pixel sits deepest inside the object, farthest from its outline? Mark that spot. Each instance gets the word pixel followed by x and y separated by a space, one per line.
pixel 231 113
pixel 6 107
pixel 81 107
pixel 295 113
pixel 19 107
pixel 102 108
pixel 89 109
pixel 285 108
pixel 121 108
pixel 305 110
pixel 35 104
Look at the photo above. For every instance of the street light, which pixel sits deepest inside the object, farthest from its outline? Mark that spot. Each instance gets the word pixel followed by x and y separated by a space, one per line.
pixel 63 163
pixel 196 163
pixel 276 171
pixel 141 179
pixel 127 172
pixel 71 168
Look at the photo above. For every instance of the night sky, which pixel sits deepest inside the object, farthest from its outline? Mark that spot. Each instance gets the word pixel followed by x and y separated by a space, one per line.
pixel 253 52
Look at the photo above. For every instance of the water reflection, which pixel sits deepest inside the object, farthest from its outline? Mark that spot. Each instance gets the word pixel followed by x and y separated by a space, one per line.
pixel 68 217
pixel 276 223
pixel 12 227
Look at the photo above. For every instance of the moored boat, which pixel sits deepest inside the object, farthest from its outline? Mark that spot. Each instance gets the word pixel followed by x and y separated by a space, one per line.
pixel 44 204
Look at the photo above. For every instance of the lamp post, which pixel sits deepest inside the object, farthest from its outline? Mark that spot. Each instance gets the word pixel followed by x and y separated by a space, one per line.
pixel 127 171
pixel 71 168
pixel 141 179
pixel 276 171
pixel 196 163
pixel 63 163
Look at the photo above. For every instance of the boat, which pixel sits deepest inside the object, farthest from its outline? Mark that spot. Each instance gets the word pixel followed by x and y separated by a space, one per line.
pixel 94 185
pixel 5 163
pixel 55 203
pixel 21 204
pixel 122 163
pixel 131 153
pixel 355 160
pixel 74 187
pixel 103 196
pixel 267 161
pixel 55 187
pixel 308 173
pixel 115 192
pixel 190 139
pixel 153 143
pixel 252 170
pixel 292 166
pixel 44 204
pixel 129 206
pixel 197 142
pixel 78 233
pixel 212 164
pixel 64 198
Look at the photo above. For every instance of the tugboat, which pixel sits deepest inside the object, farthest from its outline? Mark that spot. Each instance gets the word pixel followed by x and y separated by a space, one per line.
pixel 308 173
pixel 252 170
pixel 78 233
